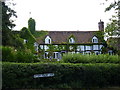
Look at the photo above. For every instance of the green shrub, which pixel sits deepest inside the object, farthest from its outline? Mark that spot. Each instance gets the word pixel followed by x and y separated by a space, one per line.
pixel 9 54
pixel 67 75
pixel 79 58
pixel 26 57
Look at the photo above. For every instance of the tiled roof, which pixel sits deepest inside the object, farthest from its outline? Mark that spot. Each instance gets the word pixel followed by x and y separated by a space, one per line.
pixel 59 37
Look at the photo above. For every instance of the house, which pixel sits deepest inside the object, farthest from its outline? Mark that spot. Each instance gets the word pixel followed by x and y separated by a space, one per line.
pixel 56 43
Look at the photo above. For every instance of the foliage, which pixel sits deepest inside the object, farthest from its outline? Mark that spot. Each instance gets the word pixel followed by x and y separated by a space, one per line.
pixel 10 54
pixel 18 42
pixel 40 34
pixel 49 61
pixel 21 75
pixel 25 57
pixel 113 5
pixel 100 36
pixel 31 25
pixel 71 36
pixel 114 44
pixel 8 37
pixel 31 35
pixel 113 27
pixel 27 35
pixel 7 24
pixel 61 47
pixel 7 13
pixel 79 58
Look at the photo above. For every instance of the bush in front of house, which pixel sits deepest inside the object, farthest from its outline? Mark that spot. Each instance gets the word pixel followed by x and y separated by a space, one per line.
pixel 66 75
pixel 25 57
pixel 9 54
pixel 101 58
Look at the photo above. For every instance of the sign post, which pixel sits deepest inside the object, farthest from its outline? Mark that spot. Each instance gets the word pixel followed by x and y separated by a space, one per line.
pixel 44 75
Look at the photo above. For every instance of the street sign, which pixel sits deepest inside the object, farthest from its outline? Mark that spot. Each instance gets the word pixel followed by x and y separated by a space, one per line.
pixel 44 75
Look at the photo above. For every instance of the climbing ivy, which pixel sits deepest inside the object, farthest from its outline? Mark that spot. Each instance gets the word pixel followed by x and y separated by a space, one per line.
pixel 31 25
pixel 71 36
pixel 100 36
pixel 27 35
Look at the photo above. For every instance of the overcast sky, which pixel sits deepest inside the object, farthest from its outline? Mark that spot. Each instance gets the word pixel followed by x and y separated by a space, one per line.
pixel 61 15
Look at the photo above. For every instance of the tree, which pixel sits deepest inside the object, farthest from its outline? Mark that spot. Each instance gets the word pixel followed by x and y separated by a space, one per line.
pixel 113 27
pixel 9 38
pixel 7 24
pixel 7 13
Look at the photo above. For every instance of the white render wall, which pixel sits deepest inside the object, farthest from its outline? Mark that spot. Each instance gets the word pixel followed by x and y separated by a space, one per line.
pixel 84 49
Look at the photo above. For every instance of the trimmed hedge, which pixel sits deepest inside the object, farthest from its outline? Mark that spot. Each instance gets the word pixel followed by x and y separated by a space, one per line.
pixel 20 75
pixel 101 58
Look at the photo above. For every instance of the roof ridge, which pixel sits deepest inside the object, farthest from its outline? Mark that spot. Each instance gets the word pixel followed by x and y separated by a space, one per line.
pixel 67 31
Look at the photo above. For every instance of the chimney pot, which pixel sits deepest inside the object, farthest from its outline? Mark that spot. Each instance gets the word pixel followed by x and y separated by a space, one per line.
pixel 101 25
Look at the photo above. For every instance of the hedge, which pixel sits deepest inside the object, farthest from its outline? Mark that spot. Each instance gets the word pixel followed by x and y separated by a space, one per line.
pixel 101 58
pixel 20 75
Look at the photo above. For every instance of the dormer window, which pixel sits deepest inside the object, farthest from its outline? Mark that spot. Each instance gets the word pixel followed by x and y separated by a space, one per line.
pixel 47 40
pixel 71 40
pixel 95 39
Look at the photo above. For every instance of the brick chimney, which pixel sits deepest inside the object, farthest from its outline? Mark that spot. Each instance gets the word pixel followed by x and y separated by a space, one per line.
pixel 101 26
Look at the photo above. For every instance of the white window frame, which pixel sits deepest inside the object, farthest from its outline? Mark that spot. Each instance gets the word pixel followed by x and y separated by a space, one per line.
pixel 94 39
pixel 71 40
pixel 25 41
pixel 46 55
pixel 95 47
pixel 56 55
pixel 82 47
pixel 88 47
pixel 48 40
pixel 46 47
pixel 36 46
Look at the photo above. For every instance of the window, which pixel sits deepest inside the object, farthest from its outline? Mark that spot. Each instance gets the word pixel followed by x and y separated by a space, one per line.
pixel 56 55
pixel 78 48
pixel 71 40
pixel 71 48
pixel 25 41
pixel 82 48
pixel 88 47
pixel 46 47
pixel 41 46
pixel 101 47
pixel 36 46
pixel 95 39
pixel 47 40
pixel 95 47
pixel 110 52
pixel 46 55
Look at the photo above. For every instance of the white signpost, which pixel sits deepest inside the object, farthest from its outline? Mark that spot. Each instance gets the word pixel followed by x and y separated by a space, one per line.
pixel 44 75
